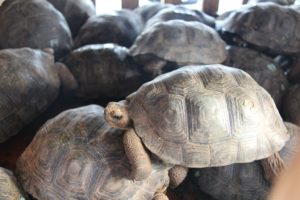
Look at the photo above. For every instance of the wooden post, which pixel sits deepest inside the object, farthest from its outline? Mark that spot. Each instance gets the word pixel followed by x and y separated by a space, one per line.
pixel 210 7
pixel 130 4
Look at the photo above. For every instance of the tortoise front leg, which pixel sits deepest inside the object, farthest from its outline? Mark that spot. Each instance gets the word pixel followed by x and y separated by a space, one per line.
pixel 160 196
pixel 272 166
pixel 138 158
pixel 177 175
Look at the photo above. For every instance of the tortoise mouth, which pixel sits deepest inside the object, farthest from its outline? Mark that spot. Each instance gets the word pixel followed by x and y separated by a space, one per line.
pixel 116 115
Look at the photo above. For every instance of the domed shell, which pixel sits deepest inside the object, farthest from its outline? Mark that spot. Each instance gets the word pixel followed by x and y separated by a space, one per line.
pixel 149 10
pixel 9 188
pixel 243 181
pixel 267 26
pixel 76 155
pixel 181 42
pixel 261 68
pixel 191 115
pixel 182 13
pixel 120 27
pixel 29 83
pixel 35 24
pixel 104 71
pixel 76 12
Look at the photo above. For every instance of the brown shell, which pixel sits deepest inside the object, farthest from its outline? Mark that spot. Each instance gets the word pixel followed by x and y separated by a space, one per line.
pixel 76 155
pixel 9 188
pixel 104 71
pixel 76 12
pixel 120 27
pixel 181 42
pixel 243 181
pixel 291 105
pixel 183 13
pixel 209 115
pixel 261 68
pixel 29 83
pixel 266 26
pixel 35 24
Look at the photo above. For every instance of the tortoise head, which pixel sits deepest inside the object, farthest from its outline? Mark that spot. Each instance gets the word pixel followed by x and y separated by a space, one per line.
pixel 116 115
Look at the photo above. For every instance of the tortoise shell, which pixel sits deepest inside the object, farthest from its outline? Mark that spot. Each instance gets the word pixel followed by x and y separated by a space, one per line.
pixel 76 155
pixel 189 116
pixel 120 27
pixel 75 12
pixel 9 188
pixel 29 83
pixel 149 10
pixel 243 181
pixel 291 105
pixel 281 2
pixel 263 69
pixel 181 42
pixel 179 12
pixel 104 71
pixel 262 26
pixel 35 24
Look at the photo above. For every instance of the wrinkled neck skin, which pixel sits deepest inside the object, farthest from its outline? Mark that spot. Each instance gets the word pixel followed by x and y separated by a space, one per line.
pixel 116 114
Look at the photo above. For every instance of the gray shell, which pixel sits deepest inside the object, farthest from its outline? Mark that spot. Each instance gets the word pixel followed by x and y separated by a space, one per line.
pixel 104 71
pixel 181 42
pixel 29 83
pixel 120 27
pixel 191 115
pixel 149 10
pixel 281 2
pixel 35 24
pixel 242 181
pixel 179 12
pixel 76 12
pixel 9 188
pixel 266 26
pixel 76 155
pixel 262 69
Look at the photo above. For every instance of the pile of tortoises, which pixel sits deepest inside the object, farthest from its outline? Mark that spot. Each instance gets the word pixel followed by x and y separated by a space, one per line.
pixel 157 103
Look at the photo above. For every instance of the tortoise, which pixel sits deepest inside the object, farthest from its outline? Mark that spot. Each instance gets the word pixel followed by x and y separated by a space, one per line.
pixel 104 70
pixel 280 2
pixel 168 45
pixel 30 81
pixel 261 26
pixel 76 155
pixel 262 68
pixel 291 105
pixel 242 181
pixel 9 188
pixel 183 13
pixel 120 27
pixel 149 10
pixel 201 116
pixel 75 12
pixel 35 24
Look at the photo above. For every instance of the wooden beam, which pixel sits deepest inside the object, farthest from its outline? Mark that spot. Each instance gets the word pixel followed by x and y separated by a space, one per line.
pixel 130 4
pixel 210 7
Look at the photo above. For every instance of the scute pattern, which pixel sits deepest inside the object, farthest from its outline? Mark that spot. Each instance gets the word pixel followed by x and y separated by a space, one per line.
pixel 253 22
pixel 225 109
pixel 242 181
pixel 9 188
pixel 164 39
pixel 77 156
pixel 29 84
